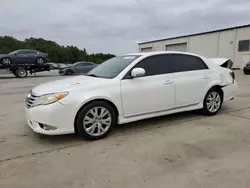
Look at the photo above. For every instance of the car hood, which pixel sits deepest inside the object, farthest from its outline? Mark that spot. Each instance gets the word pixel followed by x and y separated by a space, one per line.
pixel 68 84
pixel 2 55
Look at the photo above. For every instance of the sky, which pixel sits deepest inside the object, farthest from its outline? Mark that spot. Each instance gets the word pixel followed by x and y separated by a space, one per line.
pixel 116 26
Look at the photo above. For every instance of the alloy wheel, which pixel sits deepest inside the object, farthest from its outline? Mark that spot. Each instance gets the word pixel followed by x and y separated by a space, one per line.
pixel 213 102
pixel 97 121
pixel 6 61
pixel 40 61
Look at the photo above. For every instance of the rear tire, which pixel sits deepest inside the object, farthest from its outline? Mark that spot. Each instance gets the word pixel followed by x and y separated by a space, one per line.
pixel 40 61
pixel 96 120
pixel 21 73
pixel 212 102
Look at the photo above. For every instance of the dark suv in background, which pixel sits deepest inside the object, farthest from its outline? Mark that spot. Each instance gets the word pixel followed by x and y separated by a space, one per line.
pixel 246 69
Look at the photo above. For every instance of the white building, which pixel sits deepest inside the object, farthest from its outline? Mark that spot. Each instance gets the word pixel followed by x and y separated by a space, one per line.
pixel 232 43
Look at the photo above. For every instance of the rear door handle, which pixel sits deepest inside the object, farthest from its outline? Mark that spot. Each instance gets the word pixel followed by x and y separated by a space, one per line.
pixel 206 77
pixel 168 82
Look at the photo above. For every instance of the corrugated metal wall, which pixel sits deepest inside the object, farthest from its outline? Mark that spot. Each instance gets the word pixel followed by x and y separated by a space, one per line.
pixel 218 44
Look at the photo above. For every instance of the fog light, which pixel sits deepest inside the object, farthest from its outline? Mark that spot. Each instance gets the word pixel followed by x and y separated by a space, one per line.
pixel 47 127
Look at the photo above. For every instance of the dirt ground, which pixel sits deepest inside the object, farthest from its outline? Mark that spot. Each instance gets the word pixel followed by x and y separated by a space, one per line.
pixel 182 150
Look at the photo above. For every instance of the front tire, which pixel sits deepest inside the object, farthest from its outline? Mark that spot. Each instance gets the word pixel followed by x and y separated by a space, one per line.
pixel 69 72
pixel 95 120
pixel 212 102
pixel 6 61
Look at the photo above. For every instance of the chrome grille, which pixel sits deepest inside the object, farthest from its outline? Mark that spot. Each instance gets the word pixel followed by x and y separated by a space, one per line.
pixel 30 100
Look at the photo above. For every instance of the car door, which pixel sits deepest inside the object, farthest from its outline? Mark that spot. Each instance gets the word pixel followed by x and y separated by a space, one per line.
pixel 80 68
pixel 89 66
pixel 192 77
pixel 20 57
pixel 83 67
pixel 31 56
pixel 151 93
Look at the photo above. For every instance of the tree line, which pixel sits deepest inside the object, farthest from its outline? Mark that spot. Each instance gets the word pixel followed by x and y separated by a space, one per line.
pixel 57 53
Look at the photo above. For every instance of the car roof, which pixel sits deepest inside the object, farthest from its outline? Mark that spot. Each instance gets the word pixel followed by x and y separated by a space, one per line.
pixel 26 50
pixel 162 52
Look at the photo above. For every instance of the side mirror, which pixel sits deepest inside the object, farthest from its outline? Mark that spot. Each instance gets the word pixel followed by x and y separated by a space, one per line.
pixel 137 72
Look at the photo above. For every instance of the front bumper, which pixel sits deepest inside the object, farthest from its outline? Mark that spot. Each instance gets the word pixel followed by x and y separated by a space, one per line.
pixel 57 115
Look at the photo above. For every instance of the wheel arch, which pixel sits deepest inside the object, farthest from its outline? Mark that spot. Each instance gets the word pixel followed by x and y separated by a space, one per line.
pixel 217 88
pixel 94 100
pixel 40 57
pixel 1 59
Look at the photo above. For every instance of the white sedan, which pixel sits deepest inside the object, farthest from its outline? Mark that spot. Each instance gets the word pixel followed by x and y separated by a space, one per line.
pixel 129 88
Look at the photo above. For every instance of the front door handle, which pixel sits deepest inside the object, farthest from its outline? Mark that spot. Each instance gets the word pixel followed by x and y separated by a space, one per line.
pixel 168 82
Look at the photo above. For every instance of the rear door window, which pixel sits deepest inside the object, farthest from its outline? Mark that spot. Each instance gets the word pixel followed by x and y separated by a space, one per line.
pixel 183 63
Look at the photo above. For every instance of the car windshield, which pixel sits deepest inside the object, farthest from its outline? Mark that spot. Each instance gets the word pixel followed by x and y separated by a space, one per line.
pixel 112 67
pixel 14 52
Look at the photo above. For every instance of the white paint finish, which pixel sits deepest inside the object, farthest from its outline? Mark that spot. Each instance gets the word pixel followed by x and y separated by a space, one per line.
pixel 147 94
pixel 193 85
pixel 182 47
pixel 241 34
pixel 206 45
pixel 140 98
pixel 226 44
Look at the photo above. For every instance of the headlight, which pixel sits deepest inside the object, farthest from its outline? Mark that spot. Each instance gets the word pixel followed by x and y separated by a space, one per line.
pixel 50 98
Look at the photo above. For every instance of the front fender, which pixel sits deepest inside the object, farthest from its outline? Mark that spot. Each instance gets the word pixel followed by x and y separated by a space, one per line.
pixel 79 99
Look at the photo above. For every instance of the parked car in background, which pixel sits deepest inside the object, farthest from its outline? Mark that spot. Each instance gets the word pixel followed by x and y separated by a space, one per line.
pixel 77 68
pixel 246 69
pixel 129 88
pixel 62 65
pixel 25 56
pixel 53 65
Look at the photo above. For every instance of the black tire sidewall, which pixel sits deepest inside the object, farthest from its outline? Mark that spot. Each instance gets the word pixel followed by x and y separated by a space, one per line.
pixel 79 119
pixel 18 75
pixel 69 72
pixel 205 108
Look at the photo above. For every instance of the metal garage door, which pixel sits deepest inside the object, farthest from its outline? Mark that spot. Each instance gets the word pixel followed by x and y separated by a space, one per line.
pixel 177 47
pixel 149 49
